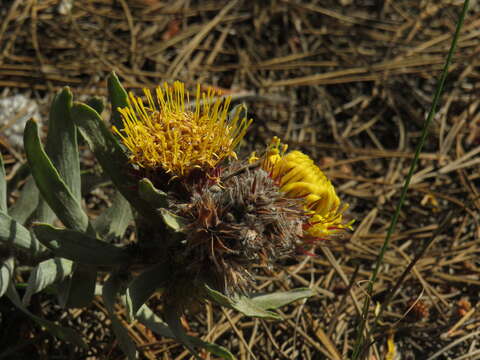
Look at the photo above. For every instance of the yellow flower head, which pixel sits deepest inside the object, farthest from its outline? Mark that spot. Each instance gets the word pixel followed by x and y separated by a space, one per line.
pixel 166 134
pixel 298 177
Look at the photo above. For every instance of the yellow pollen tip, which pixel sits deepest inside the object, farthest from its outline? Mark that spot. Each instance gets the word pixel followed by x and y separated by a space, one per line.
pixel 164 132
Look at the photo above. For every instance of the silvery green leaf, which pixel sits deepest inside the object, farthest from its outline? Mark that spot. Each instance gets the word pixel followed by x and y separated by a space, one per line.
pixel 218 297
pixel 16 235
pixel 147 317
pixel 6 273
pixel 46 273
pixel 52 187
pixel 111 289
pixel 113 222
pixel 77 246
pixel 56 330
pixel 26 204
pixel 62 149
pixel 247 307
pixel 281 298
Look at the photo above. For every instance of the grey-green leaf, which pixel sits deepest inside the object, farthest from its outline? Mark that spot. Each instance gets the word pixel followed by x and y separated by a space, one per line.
pixel 144 286
pixel 16 235
pixel 6 273
pixel 113 222
pixel 147 317
pixel 110 291
pixel 279 299
pixel 53 189
pixel 110 155
pixel 3 187
pixel 149 193
pixel 56 330
pixel 218 297
pixel 26 204
pixel 247 307
pixel 62 149
pixel 80 247
pixel 46 273
pixel 118 98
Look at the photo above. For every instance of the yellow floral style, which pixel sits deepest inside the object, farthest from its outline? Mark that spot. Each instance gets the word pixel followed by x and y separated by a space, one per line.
pixel 166 134
pixel 298 177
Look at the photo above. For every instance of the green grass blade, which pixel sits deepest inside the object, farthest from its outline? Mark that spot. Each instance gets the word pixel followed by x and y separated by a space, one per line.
pixel 359 343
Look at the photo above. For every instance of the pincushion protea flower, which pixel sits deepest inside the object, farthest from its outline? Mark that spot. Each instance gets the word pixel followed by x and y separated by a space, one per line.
pixel 236 215
pixel 165 134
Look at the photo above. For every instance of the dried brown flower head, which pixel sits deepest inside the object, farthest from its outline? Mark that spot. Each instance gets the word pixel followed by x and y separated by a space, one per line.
pixel 234 225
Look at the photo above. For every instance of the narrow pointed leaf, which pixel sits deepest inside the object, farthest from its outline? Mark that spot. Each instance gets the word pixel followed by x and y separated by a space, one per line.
pixel 149 193
pixel 218 297
pixel 26 204
pixel 62 149
pixel 147 317
pixel 53 189
pixel 3 187
pixel 113 222
pixel 61 145
pixel 6 274
pixel 77 246
pixel 60 332
pixel 16 235
pixel 110 155
pixel 144 286
pixel 279 299
pixel 46 273
pixel 247 307
pixel 118 98
pixel 110 290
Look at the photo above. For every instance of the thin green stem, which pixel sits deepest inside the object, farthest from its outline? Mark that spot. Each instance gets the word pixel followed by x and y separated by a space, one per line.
pixel 359 343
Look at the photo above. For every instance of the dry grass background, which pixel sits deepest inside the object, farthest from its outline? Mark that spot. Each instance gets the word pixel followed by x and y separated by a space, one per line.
pixel 348 82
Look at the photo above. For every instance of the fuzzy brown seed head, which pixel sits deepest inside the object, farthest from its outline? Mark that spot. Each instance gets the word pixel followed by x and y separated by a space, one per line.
pixel 241 222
